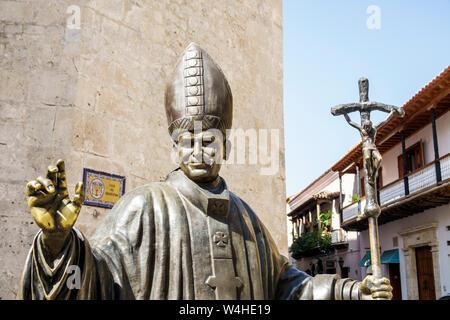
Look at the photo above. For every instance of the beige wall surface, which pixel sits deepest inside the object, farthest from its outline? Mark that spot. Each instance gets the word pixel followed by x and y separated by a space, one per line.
pixel 94 96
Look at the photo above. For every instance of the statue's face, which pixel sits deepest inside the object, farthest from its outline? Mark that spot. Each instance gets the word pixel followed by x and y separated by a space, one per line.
pixel 200 154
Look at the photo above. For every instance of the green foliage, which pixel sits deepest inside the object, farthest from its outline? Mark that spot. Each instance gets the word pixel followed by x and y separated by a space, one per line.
pixel 325 243
pixel 305 242
pixel 325 219
pixel 314 242
pixel 310 241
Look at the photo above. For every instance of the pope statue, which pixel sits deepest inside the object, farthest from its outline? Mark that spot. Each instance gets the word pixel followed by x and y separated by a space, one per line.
pixel 188 237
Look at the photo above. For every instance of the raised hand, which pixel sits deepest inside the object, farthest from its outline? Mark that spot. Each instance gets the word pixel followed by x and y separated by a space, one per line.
pixel 49 202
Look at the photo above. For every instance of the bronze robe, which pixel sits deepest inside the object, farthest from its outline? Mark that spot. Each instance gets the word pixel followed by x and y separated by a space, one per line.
pixel 172 240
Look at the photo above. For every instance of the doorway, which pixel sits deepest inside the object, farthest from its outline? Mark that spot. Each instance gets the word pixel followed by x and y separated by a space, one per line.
pixel 344 272
pixel 416 237
pixel 394 277
pixel 425 273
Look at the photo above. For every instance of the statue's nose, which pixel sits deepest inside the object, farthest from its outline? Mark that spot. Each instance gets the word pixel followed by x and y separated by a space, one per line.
pixel 197 150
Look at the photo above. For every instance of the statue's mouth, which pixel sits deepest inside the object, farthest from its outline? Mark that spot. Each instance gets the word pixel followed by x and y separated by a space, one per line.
pixel 198 165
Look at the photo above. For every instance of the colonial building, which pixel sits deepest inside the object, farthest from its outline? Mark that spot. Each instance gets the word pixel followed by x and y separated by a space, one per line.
pixel 414 195
pixel 304 209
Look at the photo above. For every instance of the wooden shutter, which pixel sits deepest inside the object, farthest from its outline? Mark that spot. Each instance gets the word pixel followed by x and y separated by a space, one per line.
pixel 414 159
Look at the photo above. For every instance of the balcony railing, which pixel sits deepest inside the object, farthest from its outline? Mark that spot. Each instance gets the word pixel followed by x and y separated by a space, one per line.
pixel 392 192
pixel 422 179
pixel 417 180
pixel 351 211
pixel 338 236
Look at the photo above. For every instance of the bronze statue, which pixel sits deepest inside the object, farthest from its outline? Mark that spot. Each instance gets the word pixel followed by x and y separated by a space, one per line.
pixel 188 237
pixel 371 159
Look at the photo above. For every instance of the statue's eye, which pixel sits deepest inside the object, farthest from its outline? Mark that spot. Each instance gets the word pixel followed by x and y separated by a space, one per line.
pixel 207 140
pixel 186 142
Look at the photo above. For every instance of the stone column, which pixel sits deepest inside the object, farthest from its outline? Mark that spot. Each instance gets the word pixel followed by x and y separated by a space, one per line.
pixel 436 271
pixel 294 228
pixel 318 214
pixel 412 290
pixel 310 219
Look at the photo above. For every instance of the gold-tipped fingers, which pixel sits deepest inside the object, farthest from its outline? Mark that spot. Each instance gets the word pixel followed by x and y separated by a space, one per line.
pixel 32 187
pixel 36 194
pixel 52 174
pixel 382 295
pixel 32 190
pixel 79 194
pixel 47 183
pixel 381 289
pixel 384 287
pixel 381 282
pixel 62 183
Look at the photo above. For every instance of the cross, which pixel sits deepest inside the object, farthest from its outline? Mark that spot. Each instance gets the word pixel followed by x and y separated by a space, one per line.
pixel 371 159
pixel 371 156
pixel 364 106
pixel 220 239
pixel 224 280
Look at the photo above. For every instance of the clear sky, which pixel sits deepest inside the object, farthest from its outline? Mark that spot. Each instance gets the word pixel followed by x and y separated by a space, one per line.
pixel 328 47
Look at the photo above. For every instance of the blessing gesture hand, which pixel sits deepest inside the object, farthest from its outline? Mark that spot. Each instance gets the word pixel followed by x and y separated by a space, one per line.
pixel 49 202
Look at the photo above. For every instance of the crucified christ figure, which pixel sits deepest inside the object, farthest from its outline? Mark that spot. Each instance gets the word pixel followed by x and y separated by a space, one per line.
pixel 371 156
pixel 371 159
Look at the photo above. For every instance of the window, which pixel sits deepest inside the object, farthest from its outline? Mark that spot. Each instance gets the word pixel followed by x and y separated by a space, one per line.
pixel 414 159
pixel 395 242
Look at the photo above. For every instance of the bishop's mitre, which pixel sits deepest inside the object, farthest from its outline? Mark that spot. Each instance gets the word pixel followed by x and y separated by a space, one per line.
pixel 198 91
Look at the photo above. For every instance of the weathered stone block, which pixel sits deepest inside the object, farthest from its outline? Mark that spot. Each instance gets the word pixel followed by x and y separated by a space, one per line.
pixel 14 11
pixel 49 88
pixel 13 28
pixel 12 86
pixel 91 134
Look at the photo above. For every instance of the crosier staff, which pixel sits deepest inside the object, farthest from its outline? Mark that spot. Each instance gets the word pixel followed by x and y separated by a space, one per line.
pixel 371 160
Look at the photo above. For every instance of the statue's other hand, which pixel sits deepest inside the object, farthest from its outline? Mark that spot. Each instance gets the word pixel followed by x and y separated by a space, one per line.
pixel 49 202
pixel 376 289
pixel 399 112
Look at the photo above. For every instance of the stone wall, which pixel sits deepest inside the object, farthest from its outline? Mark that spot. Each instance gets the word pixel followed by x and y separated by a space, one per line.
pixel 37 89
pixel 94 96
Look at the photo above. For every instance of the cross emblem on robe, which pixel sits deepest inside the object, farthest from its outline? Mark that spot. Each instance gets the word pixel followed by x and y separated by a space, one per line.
pixel 224 280
pixel 220 239
pixel 217 207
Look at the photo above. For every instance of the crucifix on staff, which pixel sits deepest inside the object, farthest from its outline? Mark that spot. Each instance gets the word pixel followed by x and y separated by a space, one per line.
pixel 371 159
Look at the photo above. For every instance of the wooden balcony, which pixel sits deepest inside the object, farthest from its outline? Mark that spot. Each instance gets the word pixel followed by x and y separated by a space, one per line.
pixel 339 238
pixel 424 193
